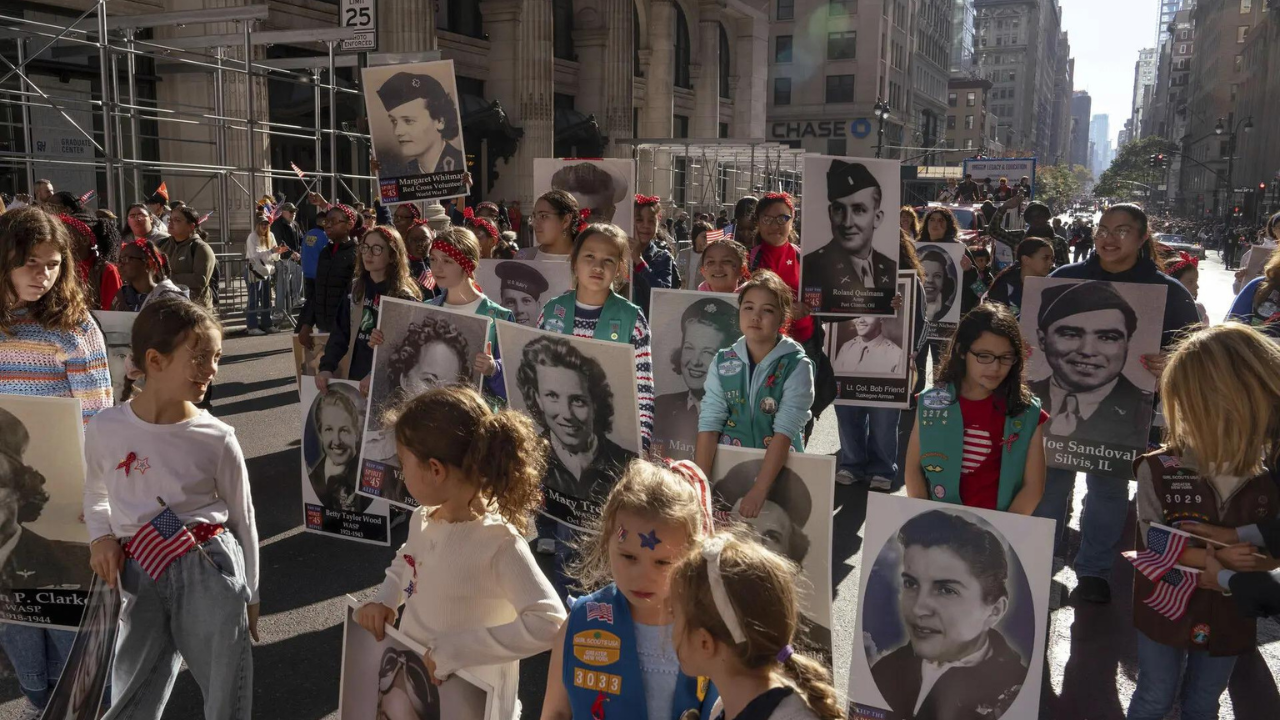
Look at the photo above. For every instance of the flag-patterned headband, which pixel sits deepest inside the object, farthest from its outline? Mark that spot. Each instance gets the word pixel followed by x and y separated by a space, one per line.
pixel 689 470
pixel 444 243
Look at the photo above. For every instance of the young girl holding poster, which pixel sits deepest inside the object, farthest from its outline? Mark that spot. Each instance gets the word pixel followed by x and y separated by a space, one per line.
pixel 977 438
pixel 758 392
pixel 472 591
pixel 201 601
pixel 615 657
pixel 736 611
pixel 1220 438
pixel 50 347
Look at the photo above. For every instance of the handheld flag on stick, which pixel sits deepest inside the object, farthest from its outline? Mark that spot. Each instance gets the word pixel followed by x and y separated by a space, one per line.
pixel 427 279
pixel 297 170
pixel 87 196
pixel 163 191
pixel 1173 592
pixel 160 542
pixel 1163 549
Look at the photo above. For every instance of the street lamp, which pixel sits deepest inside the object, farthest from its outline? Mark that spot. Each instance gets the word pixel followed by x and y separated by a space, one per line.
pixel 882 114
pixel 1219 129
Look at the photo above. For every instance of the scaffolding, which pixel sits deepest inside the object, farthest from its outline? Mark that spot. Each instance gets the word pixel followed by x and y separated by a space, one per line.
pixel 709 175
pixel 117 112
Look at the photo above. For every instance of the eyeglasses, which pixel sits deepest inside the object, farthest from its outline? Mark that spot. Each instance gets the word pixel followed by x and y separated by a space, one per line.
pixel 775 219
pixel 374 250
pixel 985 358
pixel 544 216
pixel 1104 233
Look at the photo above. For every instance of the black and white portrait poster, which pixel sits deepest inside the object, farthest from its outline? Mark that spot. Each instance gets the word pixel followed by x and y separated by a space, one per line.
pixel 688 329
pixel 307 362
pixel 389 680
pixel 332 427
pixel 849 242
pixel 605 186
pixel 942 278
pixel 416 129
pixel 117 331
pixel 44 546
pixel 1088 338
pixel 423 346
pixel 794 521
pixel 84 677
pixel 524 286
pixel 871 355
pixel 957 587
pixel 582 395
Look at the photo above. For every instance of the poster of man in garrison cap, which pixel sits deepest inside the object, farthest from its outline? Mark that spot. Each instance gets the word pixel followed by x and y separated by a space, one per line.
pixel 849 242
pixel 416 128
pixel 1086 368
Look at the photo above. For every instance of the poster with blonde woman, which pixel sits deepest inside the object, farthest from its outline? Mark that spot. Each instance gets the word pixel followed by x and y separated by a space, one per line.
pixel 332 425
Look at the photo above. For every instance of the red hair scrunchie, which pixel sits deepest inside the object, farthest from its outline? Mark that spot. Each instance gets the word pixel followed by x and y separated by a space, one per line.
pixel 647 200
pixel 583 216
pixel 781 196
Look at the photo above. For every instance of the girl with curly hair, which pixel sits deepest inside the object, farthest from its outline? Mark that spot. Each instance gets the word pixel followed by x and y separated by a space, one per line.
pixel 50 347
pixel 97 272
pixel 471 589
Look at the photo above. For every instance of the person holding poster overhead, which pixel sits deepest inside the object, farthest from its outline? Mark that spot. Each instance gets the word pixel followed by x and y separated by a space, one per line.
pixel 1124 251
pixel 425 120
pixel 556 222
pixel 849 264
pixel 758 392
pixel 50 347
pixel 1220 481
pixel 977 438
pixel 471 589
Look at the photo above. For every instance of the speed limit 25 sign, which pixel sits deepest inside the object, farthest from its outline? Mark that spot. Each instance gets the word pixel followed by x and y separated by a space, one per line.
pixel 362 15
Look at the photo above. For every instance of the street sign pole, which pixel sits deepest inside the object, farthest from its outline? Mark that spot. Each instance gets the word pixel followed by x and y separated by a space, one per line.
pixel 361 16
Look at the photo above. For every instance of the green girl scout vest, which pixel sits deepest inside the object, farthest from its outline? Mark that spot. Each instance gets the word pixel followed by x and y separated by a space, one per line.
pixel 942 446
pixel 617 317
pixel 750 422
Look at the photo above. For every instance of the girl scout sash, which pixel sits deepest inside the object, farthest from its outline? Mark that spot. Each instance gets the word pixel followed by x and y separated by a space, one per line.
pixel 617 317
pixel 750 422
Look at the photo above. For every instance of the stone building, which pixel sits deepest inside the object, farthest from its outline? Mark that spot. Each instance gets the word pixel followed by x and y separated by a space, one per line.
pixel 971 126
pixel 1019 52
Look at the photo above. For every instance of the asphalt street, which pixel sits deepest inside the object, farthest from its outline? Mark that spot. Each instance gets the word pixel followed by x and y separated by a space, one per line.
pixel 1091 658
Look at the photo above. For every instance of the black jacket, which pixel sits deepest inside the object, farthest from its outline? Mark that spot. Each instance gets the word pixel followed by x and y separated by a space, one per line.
pixel 1257 594
pixel 985 690
pixel 334 269
pixel 1180 312
pixel 287 233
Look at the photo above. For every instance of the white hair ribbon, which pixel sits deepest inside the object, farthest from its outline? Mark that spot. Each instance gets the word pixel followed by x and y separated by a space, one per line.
pixel 711 550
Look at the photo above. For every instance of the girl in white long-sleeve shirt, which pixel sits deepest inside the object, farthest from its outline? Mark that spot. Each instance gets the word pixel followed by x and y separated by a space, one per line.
pixel 158 467
pixel 471 589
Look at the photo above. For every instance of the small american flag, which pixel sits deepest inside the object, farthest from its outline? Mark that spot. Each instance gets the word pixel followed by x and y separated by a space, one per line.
pixel 1173 592
pixel 160 542
pixel 714 235
pixel 600 611
pixel 297 170
pixel 1170 461
pixel 1163 549
pixel 427 280
pixel 87 196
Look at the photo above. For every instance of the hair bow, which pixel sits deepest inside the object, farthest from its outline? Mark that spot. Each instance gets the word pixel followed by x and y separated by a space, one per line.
pixel 583 216
pixel 780 196
pixel 647 199
pixel 1184 260
pixel 77 225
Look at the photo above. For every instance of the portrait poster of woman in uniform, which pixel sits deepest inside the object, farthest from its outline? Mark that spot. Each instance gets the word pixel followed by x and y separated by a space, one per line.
pixel 795 521
pixel 415 126
pixel 871 355
pixel 424 346
pixel 332 426
pixel 953 606
pixel 524 286
pixel 581 393
pixel 942 275
pixel 117 331
pixel 388 680
pixel 604 186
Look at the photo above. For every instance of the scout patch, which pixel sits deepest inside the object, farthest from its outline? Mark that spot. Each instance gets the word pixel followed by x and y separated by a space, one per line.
pixel 560 311
pixel 704 683
pixel 615 327
pixel 731 367
pixel 1200 634
pixel 933 469
pixel 597 647
pixel 595 680
pixel 937 400
pixel 768 406
pixel 726 440
pixel 553 324
pixel 939 491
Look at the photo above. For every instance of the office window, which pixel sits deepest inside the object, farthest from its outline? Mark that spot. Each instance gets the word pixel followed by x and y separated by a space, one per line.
pixel 839 88
pixel 683 52
pixel 724 64
pixel 724 130
pixel 1182 50
pixel 680 126
pixel 1224 147
pixel 1242 32
pixel 782 49
pixel 1235 89
pixel 842 7
pixel 782 91
pixel 968 143
pixel 951 144
pixel 562 29
pixel 837 147
pixel 951 99
pixel 970 100
pixel 1239 62
pixel 968 122
pixel 842 45
pixel 951 122
pixel 786 9
pixel 1246 6
pixel 1013 76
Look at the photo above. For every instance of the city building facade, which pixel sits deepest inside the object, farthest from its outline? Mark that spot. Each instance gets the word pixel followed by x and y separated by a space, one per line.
pixel 1018 51
pixel 1081 111
pixel 971 127
pixel 1100 140
pixel 963 17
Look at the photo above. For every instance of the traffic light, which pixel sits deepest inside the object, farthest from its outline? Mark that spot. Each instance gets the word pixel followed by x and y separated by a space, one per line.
pixel 1152 160
pixel 1262 187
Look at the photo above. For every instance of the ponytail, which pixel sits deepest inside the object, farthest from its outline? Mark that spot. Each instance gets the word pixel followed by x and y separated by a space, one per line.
pixel 814 683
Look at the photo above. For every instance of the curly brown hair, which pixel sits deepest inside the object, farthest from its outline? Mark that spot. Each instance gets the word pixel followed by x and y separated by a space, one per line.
pixel 953 226
pixel 399 284
pixel 558 351
pixel 421 334
pixel 501 453
pixel 64 307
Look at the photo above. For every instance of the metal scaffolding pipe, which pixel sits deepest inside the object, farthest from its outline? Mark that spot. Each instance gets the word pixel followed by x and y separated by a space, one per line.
pixel 104 66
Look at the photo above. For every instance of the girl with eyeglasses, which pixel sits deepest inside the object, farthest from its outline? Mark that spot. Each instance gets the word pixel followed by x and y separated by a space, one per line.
pixel 556 221
pixel 382 268
pixel 977 438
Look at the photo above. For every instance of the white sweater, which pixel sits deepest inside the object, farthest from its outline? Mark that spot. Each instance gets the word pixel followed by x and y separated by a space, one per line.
pixel 196 466
pixel 479 597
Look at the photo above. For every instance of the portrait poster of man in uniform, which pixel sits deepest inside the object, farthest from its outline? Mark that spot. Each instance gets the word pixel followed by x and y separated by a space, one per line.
pixel 871 357
pixel 581 393
pixel 416 128
pixel 1089 338
pixel 604 186
pixel 953 604
pixel 387 679
pixel 849 243
pixel 688 328
pixel 795 521
pixel 332 426
pixel 524 286
pixel 44 546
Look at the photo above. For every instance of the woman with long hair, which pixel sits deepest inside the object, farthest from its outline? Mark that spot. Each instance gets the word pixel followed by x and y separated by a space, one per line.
pixel 191 260
pixel 908 222
pixel 556 221
pixel 1035 259
pixel 1258 303
pixel 262 253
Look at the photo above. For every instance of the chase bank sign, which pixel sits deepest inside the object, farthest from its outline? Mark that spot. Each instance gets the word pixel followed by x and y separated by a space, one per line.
pixel 800 129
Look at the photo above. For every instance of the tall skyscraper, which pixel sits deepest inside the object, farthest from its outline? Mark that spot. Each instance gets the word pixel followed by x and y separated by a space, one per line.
pixel 1100 136
pixel 1168 11
pixel 1081 108
pixel 962 36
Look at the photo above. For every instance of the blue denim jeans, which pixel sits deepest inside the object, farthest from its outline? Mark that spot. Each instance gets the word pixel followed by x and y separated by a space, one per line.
pixel 565 537
pixel 258 313
pixel 1056 501
pixel 1106 506
pixel 868 440
pixel 1161 669
pixel 194 612
pixel 37 655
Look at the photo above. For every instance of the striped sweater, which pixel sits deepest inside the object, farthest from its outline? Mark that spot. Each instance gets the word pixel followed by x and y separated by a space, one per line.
pixel 56 363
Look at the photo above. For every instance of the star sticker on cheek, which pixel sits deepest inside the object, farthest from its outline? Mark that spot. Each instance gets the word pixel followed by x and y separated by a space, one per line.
pixel 650 540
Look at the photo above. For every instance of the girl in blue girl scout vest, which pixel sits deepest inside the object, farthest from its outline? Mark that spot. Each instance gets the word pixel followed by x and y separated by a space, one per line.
pixel 614 659
pixel 758 392
pixel 977 438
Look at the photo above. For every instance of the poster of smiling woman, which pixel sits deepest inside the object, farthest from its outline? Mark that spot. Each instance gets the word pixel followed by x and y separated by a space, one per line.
pixel 416 129
pixel 1088 339
pixel 953 605
pixel 332 424
pixel 581 393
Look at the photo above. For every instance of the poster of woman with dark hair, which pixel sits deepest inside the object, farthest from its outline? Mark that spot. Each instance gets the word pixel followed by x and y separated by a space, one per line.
pixel 942 275
pixel 416 129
